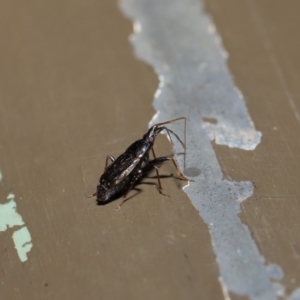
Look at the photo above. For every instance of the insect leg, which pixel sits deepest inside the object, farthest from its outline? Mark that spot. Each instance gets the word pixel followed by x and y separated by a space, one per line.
pixel 181 176
pixel 167 129
pixel 90 196
pixel 106 161
pixel 156 163
pixel 179 173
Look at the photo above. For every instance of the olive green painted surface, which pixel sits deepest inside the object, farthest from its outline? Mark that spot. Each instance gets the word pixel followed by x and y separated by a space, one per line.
pixel 72 92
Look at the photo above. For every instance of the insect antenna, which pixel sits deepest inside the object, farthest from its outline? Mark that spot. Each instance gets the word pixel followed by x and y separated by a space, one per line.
pixel 167 129
pixel 181 142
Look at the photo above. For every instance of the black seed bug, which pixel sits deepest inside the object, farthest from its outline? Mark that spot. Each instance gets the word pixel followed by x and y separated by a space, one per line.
pixel 122 174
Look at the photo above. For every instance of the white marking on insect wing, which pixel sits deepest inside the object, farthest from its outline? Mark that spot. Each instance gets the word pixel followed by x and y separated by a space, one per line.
pixel 127 171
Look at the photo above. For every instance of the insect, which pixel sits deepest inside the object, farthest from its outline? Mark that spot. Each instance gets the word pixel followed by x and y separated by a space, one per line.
pixel 125 171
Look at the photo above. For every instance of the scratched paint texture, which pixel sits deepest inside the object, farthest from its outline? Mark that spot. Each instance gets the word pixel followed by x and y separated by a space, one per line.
pixel 72 92
pixel 179 40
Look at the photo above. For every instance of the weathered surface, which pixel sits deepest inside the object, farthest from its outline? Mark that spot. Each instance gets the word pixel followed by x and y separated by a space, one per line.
pixel 72 92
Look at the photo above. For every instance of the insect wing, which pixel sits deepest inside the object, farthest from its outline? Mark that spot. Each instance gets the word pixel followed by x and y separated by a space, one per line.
pixel 121 168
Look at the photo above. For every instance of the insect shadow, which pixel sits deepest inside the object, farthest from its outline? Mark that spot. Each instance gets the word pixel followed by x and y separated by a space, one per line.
pixel 125 171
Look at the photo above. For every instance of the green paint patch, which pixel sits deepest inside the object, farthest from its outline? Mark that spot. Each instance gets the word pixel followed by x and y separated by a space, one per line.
pixel 9 217
pixel 8 214
pixel 22 240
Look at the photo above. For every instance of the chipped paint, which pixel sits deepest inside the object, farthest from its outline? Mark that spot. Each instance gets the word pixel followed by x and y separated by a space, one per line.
pixel 9 218
pixel 8 214
pixel 181 43
pixel 22 240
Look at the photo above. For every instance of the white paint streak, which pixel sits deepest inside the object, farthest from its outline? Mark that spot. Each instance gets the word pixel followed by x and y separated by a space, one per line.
pixel 226 134
pixel 181 43
pixel 279 289
pixel 224 289
pixel 137 28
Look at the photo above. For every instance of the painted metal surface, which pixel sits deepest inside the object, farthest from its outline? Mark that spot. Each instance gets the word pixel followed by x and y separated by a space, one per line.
pixel 179 40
